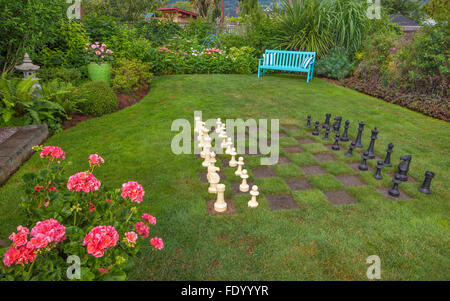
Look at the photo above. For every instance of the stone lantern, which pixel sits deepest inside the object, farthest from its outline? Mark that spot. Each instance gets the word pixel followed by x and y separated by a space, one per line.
pixel 29 69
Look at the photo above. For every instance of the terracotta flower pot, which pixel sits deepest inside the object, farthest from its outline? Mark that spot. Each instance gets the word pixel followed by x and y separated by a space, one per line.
pixel 100 72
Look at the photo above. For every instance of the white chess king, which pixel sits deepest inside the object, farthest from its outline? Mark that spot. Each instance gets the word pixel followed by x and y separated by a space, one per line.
pixel 220 205
pixel 254 193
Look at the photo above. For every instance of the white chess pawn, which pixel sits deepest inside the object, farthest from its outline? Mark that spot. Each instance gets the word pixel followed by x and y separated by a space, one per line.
pixel 240 163
pixel 213 178
pixel 223 136
pixel 233 162
pixel 220 205
pixel 206 147
pixel 244 186
pixel 218 126
pixel 229 146
pixel 254 193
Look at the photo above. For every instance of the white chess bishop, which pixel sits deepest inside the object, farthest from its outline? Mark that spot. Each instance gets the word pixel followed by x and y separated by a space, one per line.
pixel 253 203
pixel 240 164
pixel 213 178
pixel 220 205
pixel 233 162
pixel 244 186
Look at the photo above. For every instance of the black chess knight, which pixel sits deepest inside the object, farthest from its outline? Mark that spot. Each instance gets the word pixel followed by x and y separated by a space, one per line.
pixel 371 148
pixel 403 168
pixel 389 151
pixel 360 131
pixel 352 146
pixel 344 137
pixel 425 188
pixel 327 121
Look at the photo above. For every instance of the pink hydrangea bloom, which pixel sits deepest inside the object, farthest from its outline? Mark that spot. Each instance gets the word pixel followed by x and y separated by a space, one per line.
pixel 95 159
pixel 83 181
pixel 94 46
pixel 157 243
pixel 133 190
pixel 54 152
pixel 99 239
pixel 150 219
pixel 98 52
pixel 142 229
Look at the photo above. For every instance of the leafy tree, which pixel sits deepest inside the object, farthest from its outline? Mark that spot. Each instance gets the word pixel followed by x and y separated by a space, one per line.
pixel 248 6
pixel 439 10
pixel 186 5
pixel 408 8
pixel 126 10
pixel 202 6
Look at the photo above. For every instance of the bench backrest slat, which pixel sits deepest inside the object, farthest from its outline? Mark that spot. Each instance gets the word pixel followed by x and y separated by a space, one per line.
pixel 289 59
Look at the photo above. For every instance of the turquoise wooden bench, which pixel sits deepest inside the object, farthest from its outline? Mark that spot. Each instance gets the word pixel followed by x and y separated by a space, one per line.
pixel 297 61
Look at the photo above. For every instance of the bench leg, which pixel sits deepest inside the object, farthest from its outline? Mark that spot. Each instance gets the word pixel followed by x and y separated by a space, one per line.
pixel 264 72
pixel 259 72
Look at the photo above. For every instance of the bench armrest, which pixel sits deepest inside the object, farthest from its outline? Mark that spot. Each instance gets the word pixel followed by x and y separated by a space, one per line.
pixel 259 62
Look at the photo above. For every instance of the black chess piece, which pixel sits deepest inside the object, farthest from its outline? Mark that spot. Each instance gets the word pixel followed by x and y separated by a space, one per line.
pixel 425 188
pixel 389 151
pixel 316 129
pixel 379 167
pixel 345 135
pixel 373 137
pixel 327 132
pixel 336 143
pixel 394 190
pixel 363 165
pixel 308 121
pixel 327 121
pixel 360 131
pixel 337 124
pixel 403 168
pixel 352 146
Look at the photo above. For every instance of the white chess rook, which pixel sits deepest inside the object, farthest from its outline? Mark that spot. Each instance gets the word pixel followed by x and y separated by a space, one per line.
pixel 220 205
pixel 240 164
pixel 253 203
pixel 244 186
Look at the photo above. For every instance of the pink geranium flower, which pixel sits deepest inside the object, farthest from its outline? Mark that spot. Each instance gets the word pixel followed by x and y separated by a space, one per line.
pixel 95 159
pixel 83 181
pixel 133 190
pixel 157 243
pixel 142 229
pixel 131 237
pixel 150 219
pixel 99 239
pixel 54 152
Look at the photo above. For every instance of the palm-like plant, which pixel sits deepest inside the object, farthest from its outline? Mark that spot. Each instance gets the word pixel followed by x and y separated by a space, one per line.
pixel 304 25
pixel 14 92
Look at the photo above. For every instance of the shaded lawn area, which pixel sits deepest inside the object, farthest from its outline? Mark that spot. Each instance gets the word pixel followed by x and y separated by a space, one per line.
pixel 315 242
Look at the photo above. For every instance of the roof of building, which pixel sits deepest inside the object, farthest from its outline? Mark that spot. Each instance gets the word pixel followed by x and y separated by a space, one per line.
pixel 403 21
pixel 178 10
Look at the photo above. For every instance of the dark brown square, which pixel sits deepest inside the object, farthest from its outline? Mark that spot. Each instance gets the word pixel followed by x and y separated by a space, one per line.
pixel 340 197
pixel 281 134
pixel 230 208
pixel 283 160
pixel 263 172
pixel 330 147
pixel 291 127
pixel 298 184
pixel 281 201
pixel 313 170
pixel 324 157
pixel 235 188
pixel 403 195
pixel 204 179
pixel 292 149
pixel 355 165
pixel 306 140
pixel 350 180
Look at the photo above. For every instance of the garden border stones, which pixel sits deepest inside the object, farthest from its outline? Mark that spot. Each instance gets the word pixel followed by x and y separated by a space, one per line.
pixel 17 148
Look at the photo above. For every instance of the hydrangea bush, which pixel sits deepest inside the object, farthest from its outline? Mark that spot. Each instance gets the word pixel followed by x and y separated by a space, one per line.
pixel 99 53
pixel 78 216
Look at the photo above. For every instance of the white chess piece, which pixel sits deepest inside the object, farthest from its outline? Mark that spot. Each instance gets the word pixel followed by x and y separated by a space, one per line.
pixel 207 160
pixel 244 186
pixel 229 146
pixel 197 124
pixel 201 124
pixel 212 158
pixel 213 178
pixel 223 136
pixel 220 205
pixel 254 193
pixel 206 147
pixel 240 164
pixel 218 126
pixel 233 162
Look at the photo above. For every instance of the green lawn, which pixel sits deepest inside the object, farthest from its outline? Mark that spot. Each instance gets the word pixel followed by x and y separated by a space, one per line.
pixel 318 241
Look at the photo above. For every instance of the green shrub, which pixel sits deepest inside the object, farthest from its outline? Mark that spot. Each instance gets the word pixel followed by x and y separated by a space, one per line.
pixel 62 93
pixel 128 44
pixel 157 31
pixel 99 98
pixel 131 75
pixel 72 75
pixel 336 64
pixel 100 28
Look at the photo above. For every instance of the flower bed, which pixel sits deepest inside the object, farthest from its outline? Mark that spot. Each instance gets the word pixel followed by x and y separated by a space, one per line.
pixel 79 221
